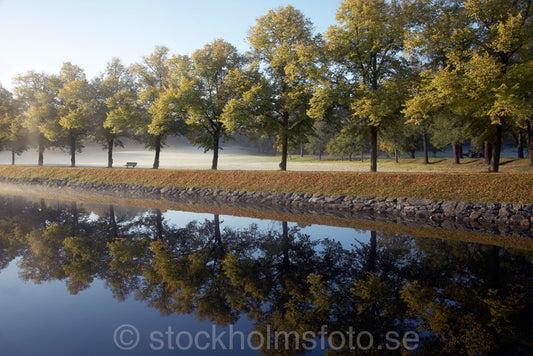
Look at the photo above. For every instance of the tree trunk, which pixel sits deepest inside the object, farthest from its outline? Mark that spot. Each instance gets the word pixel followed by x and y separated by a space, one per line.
pixel 43 221
pixel 530 141
pixel 372 253
pixel 218 248
pixel 362 155
pixel 425 144
pixel 413 152
pixel 159 224
pixel 302 150
pixel 75 218
pixel 113 221
pixel 284 142
pixel 487 152
pixel 320 155
pixel 12 157
pixel 520 145
pixel 72 140
pixel 496 149
pixel 457 152
pixel 40 161
pixel 157 151
pixel 373 148
pixel 216 142
pixel 218 233
pixel 110 144
pixel 350 157
pixel 285 246
pixel 396 156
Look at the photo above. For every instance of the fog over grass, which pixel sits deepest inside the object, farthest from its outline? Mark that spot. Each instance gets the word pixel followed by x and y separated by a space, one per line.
pixel 182 157
pixel 189 157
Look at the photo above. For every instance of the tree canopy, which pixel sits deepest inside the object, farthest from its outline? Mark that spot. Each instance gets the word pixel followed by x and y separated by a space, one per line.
pixel 389 76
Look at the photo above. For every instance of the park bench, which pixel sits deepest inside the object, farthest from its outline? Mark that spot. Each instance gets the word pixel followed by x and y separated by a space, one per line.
pixel 131 164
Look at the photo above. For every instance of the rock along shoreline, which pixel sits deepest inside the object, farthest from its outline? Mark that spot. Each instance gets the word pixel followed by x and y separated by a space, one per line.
pixel 494 218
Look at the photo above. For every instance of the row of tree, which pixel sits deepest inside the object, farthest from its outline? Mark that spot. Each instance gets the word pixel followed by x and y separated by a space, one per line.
pixel 435 72
pixel 462 298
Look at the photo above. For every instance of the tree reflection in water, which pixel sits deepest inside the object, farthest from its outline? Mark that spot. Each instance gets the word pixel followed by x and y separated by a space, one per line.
pixel 463 298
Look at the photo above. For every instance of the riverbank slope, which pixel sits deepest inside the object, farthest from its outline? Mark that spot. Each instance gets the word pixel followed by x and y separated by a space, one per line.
pixel 512 188
pixel 497 204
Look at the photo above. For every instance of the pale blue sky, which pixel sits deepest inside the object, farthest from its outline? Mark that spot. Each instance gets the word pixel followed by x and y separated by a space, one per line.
pixel 41 35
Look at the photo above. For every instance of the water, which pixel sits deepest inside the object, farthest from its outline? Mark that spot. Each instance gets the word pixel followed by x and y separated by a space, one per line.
pixel 86 279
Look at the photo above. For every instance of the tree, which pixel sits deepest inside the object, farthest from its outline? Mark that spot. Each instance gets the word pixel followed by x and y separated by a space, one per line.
pixel 318 142
pixel 436 34
pixel 154 79
pixel 168 117
pixel 401 138
pixel 503 32
pixel 76 106
pixel 483 46
pixel 526 88
pixel 366 45
pixel 117 102
pixel 204 88
pixel 38 92
pixel 13 136
pixel 437 30
pixel 439 104
pixel 283 48
pixel 328 107
pixel 348 142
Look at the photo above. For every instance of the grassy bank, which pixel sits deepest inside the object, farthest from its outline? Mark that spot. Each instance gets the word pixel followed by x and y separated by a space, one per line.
pixel 477 187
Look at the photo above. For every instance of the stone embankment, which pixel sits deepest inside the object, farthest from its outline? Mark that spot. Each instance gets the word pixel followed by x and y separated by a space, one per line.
pixel 495 218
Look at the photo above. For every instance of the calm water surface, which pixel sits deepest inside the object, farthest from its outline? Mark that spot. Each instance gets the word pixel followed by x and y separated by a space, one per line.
pixel 81 279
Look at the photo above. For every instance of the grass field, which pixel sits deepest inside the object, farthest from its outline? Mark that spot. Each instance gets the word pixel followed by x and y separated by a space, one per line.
pixel 237 158
pixel 510 187
pixel 467 165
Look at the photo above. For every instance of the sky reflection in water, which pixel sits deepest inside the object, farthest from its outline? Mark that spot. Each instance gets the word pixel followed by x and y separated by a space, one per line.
pixel 75 277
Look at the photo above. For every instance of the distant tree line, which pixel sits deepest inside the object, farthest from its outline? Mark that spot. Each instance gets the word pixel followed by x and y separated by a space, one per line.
pixel 393 75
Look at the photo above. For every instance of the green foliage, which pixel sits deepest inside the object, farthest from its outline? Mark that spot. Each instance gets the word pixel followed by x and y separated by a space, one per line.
pixel 319 140
pixel 124 117
pixel 348 143
pixel 205 86
pixel 76 105
pixel 38 92
pixel 167 114
pixel 475 77
pixel 368 37
pixel 116 100
pixel 158 112
pixel 364 48
pixel 456 70
pixel 76 109
pixel 13 136
pixel 275 91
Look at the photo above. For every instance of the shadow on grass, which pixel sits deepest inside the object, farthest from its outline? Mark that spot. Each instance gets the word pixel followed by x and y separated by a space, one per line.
pixel 503 163
pixel 436 161
pixel 470 161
